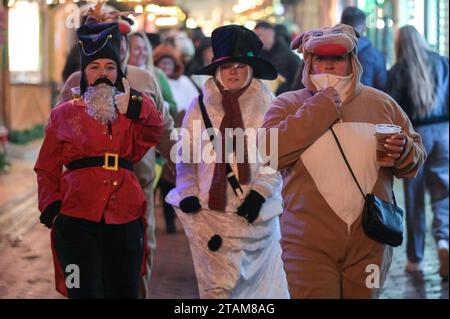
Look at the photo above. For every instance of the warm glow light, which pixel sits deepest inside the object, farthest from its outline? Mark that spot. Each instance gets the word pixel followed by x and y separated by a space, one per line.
pixel 191 23
pixel 244 5
pixel 138 9
pixel 166 21
pixel 250 25
pixel 158 10
pixel 23 42
pixel 380 24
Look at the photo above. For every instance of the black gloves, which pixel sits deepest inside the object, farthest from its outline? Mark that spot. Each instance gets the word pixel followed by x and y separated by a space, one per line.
pixel 190 204
pixel 49 213
pixel 251 206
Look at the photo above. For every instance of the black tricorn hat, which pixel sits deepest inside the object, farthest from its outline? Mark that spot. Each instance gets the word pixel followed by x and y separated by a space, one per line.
pixel 99 41
pixel 235 43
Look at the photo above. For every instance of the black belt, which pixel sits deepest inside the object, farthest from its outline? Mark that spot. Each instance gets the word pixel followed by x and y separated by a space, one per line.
pixel 109 161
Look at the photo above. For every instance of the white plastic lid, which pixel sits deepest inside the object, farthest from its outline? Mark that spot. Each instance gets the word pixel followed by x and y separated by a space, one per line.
pixel 387 128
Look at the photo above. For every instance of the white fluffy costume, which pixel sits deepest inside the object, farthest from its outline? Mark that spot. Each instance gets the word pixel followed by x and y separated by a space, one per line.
pixel 248 263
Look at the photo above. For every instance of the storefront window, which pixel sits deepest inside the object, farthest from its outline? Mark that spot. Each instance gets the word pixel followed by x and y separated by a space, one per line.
pixel 380 25
pixel 443 27
pixel 23 42
pixel 430 18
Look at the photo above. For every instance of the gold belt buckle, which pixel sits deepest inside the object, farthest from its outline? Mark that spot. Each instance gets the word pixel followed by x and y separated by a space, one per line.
pixel 106 165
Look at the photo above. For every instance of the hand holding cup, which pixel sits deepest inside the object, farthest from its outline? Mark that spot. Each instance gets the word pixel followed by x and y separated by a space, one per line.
pixel 390 143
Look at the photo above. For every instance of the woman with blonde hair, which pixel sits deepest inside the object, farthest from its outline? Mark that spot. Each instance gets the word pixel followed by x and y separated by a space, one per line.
pixel 419 83
pixel 141 55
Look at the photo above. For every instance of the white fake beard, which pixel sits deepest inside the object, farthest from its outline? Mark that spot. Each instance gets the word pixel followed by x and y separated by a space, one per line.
pixel 100 103
pixel 342 84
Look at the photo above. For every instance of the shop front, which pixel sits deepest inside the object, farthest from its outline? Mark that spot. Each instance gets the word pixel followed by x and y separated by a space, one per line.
pixel 25 86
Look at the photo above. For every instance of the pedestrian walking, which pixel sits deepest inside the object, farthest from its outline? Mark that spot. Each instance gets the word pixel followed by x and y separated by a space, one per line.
pixel 374 72
pixel 229 208
pixel 145 82
pixel 418 81
pixel 96 207
pixel 326 253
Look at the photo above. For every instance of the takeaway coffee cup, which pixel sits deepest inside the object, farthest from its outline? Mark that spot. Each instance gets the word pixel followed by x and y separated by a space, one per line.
pixel 383 132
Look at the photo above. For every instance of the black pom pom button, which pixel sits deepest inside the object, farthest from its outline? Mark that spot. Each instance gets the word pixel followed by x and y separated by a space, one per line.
pixel 215 242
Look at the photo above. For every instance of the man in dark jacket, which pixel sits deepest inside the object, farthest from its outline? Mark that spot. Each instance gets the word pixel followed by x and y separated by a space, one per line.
pixel 279 54
pixel 372 60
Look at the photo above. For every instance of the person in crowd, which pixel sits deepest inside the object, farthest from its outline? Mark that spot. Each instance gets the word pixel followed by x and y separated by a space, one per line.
pixel 197 36
pixel 278 53
pixel 203 57
pixel 282 34
pixel 167 58
pixel 145 82
pixel 326 253
pixel 186 50
pixel 374 72
pixel 154 38
pixel 141 55
pixel 96 207
pixel 230 215
pixel 418 81
pixel 72 63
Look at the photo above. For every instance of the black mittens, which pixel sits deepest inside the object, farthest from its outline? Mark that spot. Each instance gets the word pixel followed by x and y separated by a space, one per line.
pixel 251 206
pixel 190 204
pixel 49 213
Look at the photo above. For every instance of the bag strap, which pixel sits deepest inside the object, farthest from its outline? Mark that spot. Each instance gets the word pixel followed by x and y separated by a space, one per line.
pixel 234 183
pixel 350 169
pixel 346 162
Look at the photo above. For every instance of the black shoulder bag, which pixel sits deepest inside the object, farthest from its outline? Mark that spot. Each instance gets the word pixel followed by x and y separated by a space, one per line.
pixel 381 221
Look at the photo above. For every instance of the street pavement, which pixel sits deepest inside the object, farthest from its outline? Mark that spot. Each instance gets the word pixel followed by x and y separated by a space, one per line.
pixel 26 267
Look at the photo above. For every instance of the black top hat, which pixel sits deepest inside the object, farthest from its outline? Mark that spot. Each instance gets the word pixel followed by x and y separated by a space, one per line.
pixel 99 41
pixel 235 43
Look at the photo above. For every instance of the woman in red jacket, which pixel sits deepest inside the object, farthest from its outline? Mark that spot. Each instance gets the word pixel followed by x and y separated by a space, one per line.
pixel 95 207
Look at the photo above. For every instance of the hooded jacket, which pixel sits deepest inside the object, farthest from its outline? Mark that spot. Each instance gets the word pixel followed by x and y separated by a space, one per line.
pixel 315 176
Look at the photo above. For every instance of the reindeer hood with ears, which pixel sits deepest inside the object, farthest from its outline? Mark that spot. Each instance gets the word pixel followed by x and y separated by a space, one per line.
pixel 337 40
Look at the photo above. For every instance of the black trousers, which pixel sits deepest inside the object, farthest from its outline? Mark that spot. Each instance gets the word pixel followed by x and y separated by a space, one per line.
pixel 107 258
pixel 169 212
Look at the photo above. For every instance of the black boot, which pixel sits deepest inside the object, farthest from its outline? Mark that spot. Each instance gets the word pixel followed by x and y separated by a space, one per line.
pixel 169 216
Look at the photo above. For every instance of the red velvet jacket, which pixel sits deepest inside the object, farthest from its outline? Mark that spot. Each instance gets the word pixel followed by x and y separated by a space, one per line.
pixel 93 192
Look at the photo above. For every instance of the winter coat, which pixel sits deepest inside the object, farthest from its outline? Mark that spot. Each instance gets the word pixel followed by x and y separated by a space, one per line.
pixel 285 62
pixel 399 87
pixel 374 65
